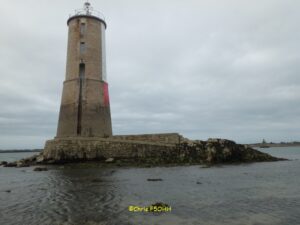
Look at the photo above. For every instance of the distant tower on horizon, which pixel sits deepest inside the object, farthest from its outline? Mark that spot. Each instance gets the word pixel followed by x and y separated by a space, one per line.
pixel 85 107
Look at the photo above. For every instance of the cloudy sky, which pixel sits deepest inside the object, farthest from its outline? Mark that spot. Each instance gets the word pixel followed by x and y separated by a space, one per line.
pixel 204 68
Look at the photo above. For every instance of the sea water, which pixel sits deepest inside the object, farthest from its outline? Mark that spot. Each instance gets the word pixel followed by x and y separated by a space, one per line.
pixel 241 194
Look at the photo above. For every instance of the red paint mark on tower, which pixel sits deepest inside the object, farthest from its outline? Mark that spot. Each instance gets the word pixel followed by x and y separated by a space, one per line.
pixel 105 94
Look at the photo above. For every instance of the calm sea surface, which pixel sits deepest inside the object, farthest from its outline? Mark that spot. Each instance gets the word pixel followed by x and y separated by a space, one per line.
pixel 256 194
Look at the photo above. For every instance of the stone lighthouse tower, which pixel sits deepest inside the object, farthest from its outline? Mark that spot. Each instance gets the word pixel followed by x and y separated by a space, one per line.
pixel 85 108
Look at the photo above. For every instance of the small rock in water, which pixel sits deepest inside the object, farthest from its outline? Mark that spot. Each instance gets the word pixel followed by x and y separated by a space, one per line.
pixel 3 163
pixel 40 169
pixel 22 164
pixel 205 166
pixel 155 179
pixel 8 191
pixel 198 182
pixel 12 164
pixel 160 204
pixel 96 180
pixel 110 160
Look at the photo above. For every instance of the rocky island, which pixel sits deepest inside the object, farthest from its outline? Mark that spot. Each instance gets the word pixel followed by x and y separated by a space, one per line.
pixel 84 131
pixel 145 150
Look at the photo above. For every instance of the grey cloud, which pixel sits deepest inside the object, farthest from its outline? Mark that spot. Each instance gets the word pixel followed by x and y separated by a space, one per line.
pixel 203 68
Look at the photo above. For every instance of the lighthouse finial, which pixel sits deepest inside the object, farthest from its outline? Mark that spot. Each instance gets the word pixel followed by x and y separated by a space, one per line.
pixel 87 7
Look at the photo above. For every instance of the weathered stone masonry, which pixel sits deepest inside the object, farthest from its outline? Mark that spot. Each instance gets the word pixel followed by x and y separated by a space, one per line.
pixel 187 151
pixel 85 109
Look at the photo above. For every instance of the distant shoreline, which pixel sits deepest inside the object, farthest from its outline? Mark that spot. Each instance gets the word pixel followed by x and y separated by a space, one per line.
pixel 20 151
pixel 271 145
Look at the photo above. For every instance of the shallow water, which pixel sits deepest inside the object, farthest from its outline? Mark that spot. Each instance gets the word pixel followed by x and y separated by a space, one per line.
pixel 254 194
pixel 10 157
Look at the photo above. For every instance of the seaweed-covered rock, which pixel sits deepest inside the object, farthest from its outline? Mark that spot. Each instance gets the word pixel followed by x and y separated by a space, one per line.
pixel 223 151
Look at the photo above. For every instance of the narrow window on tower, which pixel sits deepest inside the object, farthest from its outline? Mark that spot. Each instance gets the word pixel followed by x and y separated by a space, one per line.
pixel 82 29
pixel 79 115
pixel 81 70
pixel 82 47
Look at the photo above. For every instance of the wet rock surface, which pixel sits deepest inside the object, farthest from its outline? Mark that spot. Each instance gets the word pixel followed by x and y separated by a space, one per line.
pixel 154 179
pixel 97 180
pixel 12 164
pixel 38 169
pixel 3 163
pixel 160 204
pixel 109 160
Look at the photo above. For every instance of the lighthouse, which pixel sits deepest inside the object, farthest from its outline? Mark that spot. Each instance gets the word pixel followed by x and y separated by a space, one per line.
pixel 85 106
pixel 84 131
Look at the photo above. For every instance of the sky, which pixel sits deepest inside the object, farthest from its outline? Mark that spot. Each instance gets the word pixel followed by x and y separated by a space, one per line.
pixel 203 68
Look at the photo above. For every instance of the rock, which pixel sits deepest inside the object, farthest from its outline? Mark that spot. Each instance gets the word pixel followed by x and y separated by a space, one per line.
pixel 211 153
pixel 155 179
pixel 160 204
pixel 3 163
pixel 199 182
pixel 96 180
pixel 205 166
pixel 148 153
pixel 32 159
pixel 40 169
pixel 12 164
pixel 109 160
pixel 8 191
pixel 226 152
pixel 22 164
pixel 40 159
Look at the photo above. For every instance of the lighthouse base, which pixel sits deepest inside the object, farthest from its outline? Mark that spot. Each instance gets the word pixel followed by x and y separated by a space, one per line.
pixel 149 149
pixel 85 149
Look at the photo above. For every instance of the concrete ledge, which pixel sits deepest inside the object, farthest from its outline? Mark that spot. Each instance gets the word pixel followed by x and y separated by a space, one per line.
pixel 165 138
pixel 98 148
